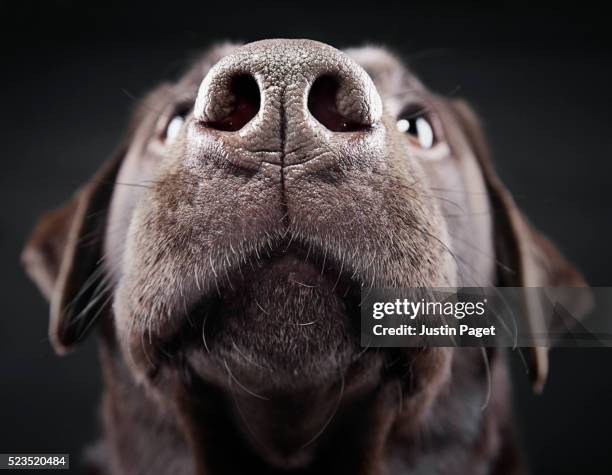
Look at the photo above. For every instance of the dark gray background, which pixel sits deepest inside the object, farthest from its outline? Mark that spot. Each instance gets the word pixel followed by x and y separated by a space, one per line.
pixel 539 77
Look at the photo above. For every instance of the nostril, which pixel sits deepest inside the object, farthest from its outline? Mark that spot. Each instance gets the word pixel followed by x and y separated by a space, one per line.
pixel 245 102
pixel 322 104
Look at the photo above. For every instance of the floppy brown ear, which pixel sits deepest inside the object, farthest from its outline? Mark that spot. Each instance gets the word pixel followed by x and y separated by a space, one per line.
pixel 526 258
pixel 63 256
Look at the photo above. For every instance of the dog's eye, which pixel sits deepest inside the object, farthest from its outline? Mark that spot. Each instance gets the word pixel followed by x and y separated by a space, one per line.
pixel 418 128
pixel 175 124
pixel 173 128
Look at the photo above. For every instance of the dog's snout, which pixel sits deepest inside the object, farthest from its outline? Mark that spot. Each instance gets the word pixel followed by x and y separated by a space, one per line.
pixel 284 98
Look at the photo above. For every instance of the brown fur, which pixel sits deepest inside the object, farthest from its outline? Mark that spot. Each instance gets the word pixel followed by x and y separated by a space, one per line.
pixel 225 268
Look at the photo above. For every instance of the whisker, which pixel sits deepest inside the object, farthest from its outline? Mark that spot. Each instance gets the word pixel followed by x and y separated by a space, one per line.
pixel 95 317
pixel 331 417
pixel 91 280
pixel 302 284
pixel 250 430
pixel 241 386
pixel 141 103
pixel 204 335
pixel 246 358
pixel 400 402
pixel 483 253
pixel 260 307
pixel 485 358
pixel 116 183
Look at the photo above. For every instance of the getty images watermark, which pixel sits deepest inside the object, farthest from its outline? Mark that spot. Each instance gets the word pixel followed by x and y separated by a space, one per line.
pixel 486 316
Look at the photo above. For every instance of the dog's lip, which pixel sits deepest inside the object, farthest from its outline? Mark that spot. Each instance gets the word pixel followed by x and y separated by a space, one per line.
pixel 342 278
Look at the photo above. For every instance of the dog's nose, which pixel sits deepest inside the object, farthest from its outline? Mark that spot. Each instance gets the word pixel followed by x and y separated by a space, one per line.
pixel 285 102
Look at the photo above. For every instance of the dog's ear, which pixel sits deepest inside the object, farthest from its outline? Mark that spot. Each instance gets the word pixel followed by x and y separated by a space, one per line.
pixel 63 256
pixel 525 257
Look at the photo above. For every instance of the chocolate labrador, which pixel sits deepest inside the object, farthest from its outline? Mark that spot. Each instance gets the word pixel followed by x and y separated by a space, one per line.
pixel 222 250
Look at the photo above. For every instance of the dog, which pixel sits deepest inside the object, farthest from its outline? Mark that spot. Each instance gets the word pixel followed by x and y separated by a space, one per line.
pixel 221 252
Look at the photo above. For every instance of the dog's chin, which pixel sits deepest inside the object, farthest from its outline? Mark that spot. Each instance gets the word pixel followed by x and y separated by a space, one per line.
pixel 288 323
pixel 282 343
